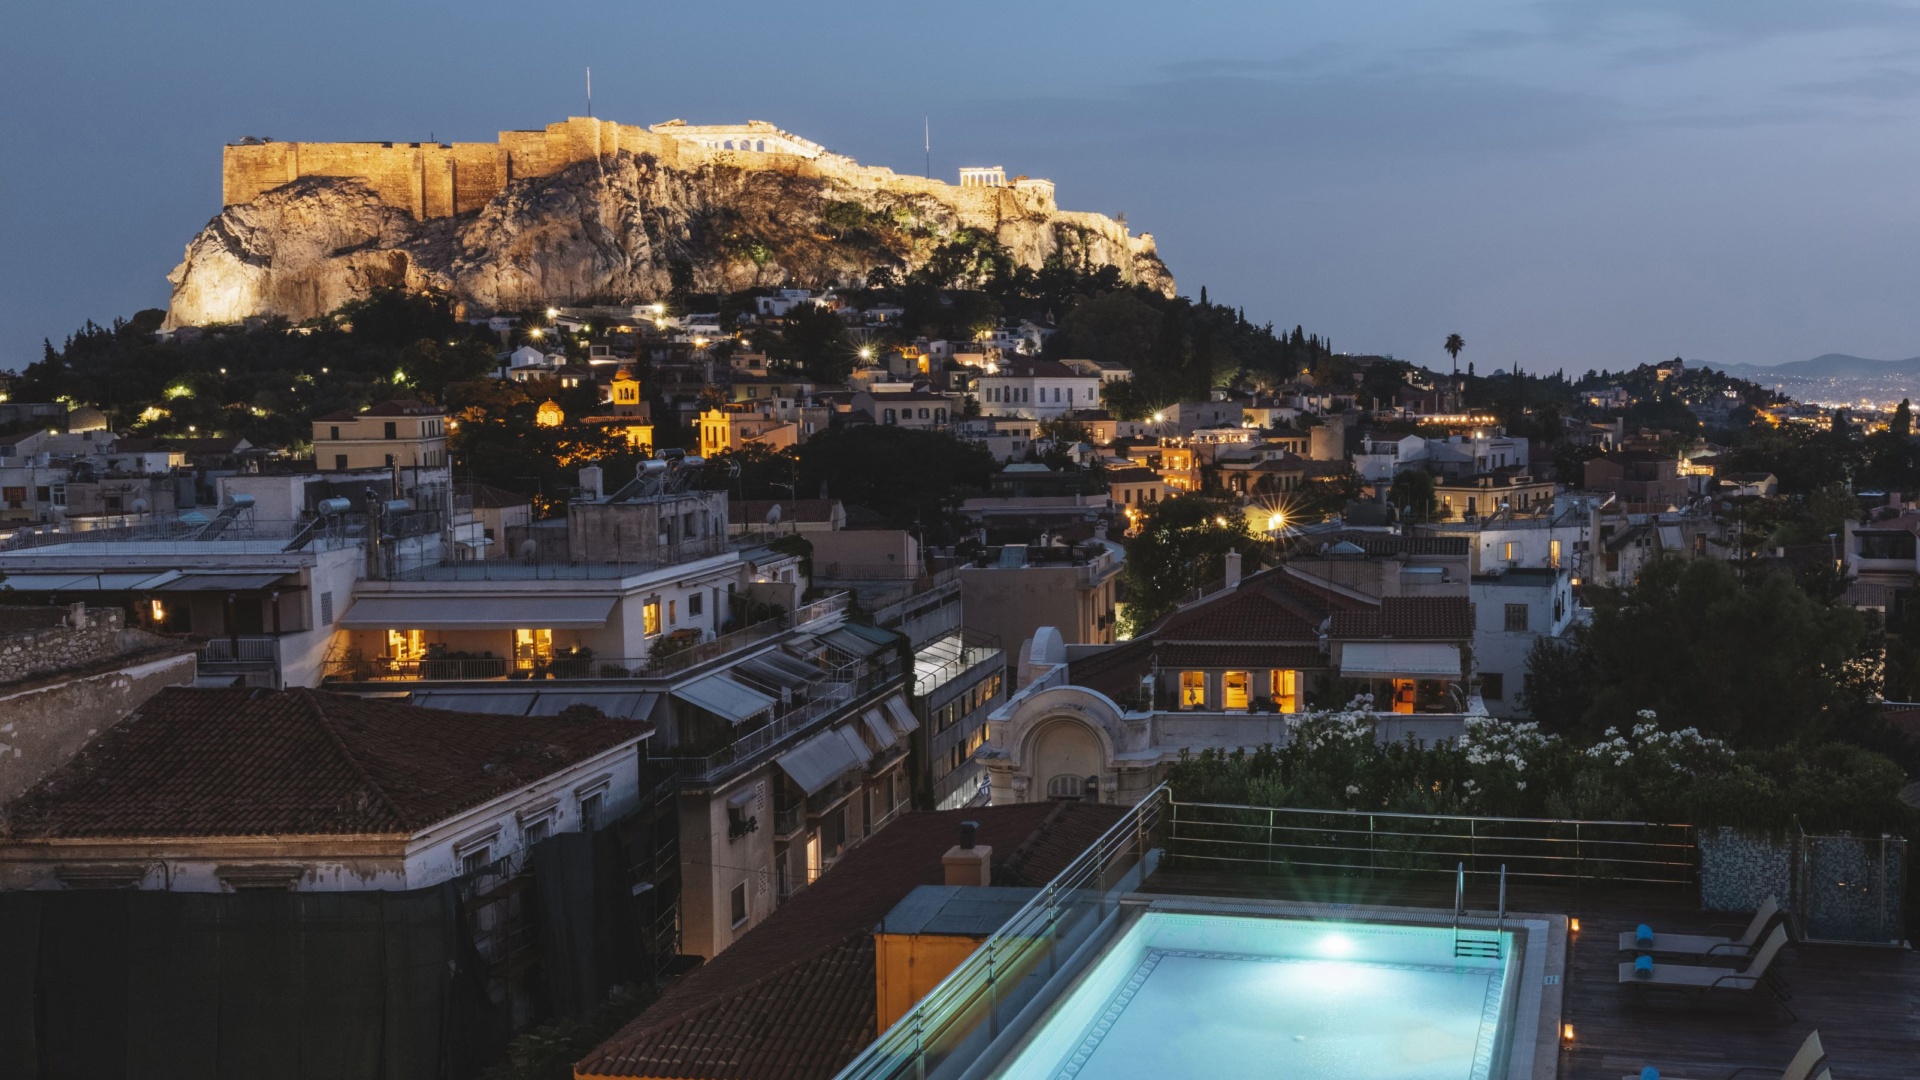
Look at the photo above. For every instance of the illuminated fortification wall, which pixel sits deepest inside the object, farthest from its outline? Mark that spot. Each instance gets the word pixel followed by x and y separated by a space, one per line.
pixel 432 180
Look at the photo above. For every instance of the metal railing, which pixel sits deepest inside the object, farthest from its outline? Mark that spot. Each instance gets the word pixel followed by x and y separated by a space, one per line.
pixel 975 1002
pixel 481 668
pixel 1249 839
pixel 243 650
pixel 829 698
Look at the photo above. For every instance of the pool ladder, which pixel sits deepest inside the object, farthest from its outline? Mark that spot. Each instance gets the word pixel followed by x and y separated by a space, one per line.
pixel 1477 948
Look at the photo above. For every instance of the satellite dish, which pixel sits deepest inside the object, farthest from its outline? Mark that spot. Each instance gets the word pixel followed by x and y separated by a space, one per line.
pixel 139 506
pixel 773 515
pixel 527 548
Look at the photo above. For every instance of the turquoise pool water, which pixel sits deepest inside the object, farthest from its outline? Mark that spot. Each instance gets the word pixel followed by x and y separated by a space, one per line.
pixel 1219 996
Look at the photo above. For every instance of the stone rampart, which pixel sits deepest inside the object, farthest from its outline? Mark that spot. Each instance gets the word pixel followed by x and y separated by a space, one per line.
pixel 434 180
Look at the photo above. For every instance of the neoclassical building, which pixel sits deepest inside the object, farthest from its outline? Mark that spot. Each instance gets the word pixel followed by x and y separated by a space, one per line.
pixel 1229 671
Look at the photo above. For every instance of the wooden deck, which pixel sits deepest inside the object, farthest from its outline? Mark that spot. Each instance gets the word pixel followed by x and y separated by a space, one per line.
pixel 1865 1002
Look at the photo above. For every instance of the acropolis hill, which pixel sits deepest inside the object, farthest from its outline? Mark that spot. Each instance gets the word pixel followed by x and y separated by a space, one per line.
pixel 590 209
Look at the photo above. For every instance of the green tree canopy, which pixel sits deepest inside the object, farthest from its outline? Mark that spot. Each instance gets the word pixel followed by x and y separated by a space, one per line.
pixel 1758 662
pixel 1182 545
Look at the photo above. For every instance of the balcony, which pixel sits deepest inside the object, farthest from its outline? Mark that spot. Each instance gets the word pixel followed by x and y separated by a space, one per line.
pixel 831 698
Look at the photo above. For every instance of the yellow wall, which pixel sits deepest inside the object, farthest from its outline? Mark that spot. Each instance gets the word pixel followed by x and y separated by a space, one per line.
pixel 907 966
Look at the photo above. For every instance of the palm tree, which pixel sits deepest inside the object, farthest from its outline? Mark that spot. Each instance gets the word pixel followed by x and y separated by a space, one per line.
pixel 1453 346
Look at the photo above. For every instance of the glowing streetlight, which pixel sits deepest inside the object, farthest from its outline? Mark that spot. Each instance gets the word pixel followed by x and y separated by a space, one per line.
pixel 536 333
pixel 553 313
pixel 659 309
pixel 866 352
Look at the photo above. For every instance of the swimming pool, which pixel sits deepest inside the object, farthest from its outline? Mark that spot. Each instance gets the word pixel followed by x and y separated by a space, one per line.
pixel 1181 995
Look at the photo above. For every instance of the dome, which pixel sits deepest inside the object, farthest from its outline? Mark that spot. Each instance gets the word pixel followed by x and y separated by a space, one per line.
pixel 549 414
pixel 86 418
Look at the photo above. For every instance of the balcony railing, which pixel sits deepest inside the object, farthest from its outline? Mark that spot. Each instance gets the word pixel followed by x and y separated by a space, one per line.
pixel 481 668
pixel 243 650
pixel 829 699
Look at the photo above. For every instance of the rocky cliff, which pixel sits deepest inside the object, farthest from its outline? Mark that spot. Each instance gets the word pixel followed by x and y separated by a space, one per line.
pixel 621 228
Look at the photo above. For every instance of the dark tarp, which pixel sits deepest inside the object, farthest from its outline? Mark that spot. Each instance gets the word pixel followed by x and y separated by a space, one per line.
pixel 304 986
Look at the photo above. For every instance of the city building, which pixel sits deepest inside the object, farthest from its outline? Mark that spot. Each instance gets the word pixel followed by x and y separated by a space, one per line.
pixel 237 843
pixel 402 434
pixel 1037 390
pixel 1011 592
pixel 1514 609
pixel 1224 673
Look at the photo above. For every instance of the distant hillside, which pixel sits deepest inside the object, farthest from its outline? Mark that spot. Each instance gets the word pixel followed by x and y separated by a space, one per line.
pixel 1829 366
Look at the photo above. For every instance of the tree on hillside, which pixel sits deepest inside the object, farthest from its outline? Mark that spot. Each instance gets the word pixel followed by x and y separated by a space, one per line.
pixel 1182 545
pixel 1759 661
pixel 1453 346
pixel 1413 491
pixel 914 479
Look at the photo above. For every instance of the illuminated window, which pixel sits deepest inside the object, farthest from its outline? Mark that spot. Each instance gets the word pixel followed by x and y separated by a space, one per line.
pixel 1507 551
pixel 1193 689
pixel 650 613
pixel 159 612
pixel 531 645
pixel 1234 689
pixel 406 644
pixel 1553 554
pixel 1285 688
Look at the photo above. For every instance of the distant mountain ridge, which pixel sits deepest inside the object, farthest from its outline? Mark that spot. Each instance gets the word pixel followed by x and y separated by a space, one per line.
pixel 1827 366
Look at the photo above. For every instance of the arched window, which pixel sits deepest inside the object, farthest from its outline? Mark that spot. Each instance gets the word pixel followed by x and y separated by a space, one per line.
pixel 1067 786
pixel 761 146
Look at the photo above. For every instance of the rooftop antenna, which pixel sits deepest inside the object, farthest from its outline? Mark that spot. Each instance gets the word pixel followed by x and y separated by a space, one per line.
pixel 589 91
pixel 927 122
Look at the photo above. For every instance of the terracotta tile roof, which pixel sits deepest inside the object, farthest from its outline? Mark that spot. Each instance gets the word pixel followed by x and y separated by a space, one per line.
pixel 1443 617
pixel 1271 606
pixel 1116 670
pixel 794 999
pixel 488 496
pixel 1383 543
pixel 248 762
pixel 1249 657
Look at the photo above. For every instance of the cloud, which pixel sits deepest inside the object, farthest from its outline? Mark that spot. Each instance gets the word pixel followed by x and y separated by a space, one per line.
pixel 1878 84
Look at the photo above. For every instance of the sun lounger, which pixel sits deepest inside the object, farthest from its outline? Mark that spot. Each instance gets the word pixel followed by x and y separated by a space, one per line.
pixel 1809 1060
pixel 1706 947
pixel 1699 981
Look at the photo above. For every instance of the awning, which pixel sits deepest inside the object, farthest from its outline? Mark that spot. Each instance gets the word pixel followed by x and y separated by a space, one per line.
pixel 144 579
pixel 477 612
pixel 620 705
pixel 217 582
pixel 499 703
pixel 883 734
pixel 1417 659
pixel 858 641
pixel 816 762
pixel 789 675
pixel 725 697
pixel 902 717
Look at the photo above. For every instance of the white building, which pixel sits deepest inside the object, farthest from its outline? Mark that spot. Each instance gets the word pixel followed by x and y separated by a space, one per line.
pixel 1037 390
pixel 1514 609
pixel 482 788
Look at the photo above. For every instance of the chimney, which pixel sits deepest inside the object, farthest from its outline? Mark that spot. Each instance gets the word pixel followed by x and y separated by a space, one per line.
pixel 1233 569
pixel 968 863
pixel 591 486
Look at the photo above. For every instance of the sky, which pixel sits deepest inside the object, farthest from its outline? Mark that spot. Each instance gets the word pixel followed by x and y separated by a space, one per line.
pixel 1565 183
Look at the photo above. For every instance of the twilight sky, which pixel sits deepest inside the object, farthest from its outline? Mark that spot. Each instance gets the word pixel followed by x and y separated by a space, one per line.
pixel 1563 182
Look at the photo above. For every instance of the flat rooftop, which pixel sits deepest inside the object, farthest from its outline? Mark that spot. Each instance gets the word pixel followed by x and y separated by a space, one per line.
pixel 1864 1001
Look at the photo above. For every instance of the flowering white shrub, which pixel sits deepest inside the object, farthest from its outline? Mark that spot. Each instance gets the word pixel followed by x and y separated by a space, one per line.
pixel 1682 750
pixel 1351 726
pixel 1489 740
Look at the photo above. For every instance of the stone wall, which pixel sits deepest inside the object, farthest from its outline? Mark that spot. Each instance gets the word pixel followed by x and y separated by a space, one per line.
pixel 37 641
pixel 44 722
pixel 433 180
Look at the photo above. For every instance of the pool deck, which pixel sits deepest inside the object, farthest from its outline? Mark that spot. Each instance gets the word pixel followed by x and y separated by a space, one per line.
pixel 1864 1001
